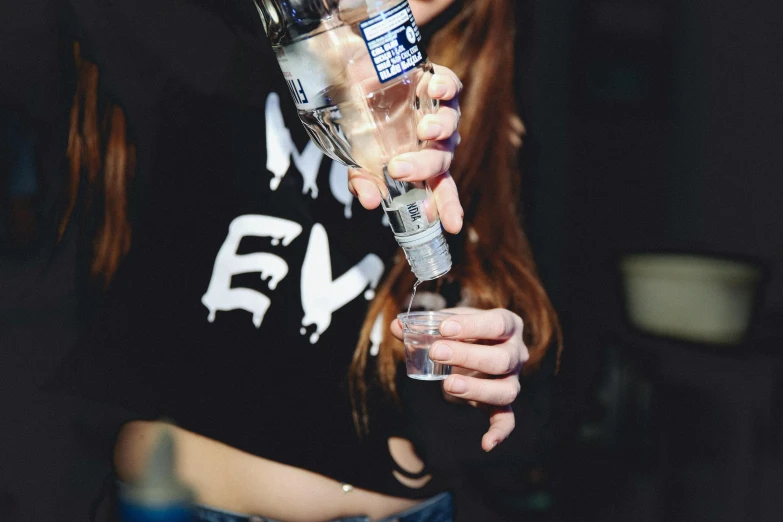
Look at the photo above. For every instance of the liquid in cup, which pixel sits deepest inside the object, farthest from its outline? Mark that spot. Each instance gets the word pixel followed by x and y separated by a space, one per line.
pixel 420 331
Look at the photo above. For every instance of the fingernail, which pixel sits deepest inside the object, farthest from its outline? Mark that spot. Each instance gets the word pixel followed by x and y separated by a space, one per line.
pixel 450 328
pixel 433 131
pixel 400 169
pixel 458 386
pixel 363 194
pixel 493 445
pixel 438 88
pixel 441 352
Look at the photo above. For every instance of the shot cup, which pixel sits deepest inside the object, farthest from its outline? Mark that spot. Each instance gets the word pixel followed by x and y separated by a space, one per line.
pixel 420 330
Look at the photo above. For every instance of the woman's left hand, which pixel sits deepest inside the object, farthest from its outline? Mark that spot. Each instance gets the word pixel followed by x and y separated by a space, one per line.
pixel 484 375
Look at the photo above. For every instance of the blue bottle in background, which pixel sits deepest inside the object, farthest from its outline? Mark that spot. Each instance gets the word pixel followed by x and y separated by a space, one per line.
pixel 159 496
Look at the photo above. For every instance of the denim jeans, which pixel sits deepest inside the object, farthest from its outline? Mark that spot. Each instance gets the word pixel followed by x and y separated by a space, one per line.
pixel 437 509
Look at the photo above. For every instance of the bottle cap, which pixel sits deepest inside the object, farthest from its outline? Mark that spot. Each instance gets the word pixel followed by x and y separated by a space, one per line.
pixel 427 252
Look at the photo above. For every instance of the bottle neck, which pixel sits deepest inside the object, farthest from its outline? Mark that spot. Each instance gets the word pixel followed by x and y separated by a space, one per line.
pixel 427 252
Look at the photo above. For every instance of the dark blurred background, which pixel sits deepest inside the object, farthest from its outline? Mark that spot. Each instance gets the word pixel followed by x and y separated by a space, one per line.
pixel 652 125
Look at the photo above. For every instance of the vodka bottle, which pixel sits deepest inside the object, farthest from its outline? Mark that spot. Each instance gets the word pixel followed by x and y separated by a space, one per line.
pixel 359 76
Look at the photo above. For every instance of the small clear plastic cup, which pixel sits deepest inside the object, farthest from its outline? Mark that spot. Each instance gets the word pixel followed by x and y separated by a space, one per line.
pixel 420 330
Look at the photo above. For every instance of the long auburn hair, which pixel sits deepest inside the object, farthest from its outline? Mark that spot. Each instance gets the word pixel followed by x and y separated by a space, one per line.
pixel 498 270
pixel 101 161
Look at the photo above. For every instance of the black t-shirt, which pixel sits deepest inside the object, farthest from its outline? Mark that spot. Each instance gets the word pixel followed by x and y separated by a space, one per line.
pixel 237 310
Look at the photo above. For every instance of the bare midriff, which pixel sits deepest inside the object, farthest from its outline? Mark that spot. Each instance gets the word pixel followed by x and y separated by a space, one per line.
pixel 226 478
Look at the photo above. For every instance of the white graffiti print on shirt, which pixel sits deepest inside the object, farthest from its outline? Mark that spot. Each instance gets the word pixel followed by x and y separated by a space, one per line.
pixel 220 296
pixel 322 296
pixel 338 183
pixel 281 149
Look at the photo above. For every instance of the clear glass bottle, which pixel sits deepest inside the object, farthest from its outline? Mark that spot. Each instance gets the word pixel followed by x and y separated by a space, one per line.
pixel 359 77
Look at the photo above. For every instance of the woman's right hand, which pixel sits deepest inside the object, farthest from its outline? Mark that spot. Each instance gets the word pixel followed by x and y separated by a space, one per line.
pixel 430 164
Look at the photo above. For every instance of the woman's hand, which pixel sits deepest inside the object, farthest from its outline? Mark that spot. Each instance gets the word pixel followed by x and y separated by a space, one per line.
pixel 487 374
pixel 430 164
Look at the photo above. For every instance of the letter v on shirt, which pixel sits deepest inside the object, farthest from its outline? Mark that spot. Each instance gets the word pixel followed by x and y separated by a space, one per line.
pixel 321 295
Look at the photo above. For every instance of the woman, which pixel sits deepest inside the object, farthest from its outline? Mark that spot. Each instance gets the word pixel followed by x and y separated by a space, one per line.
pixel 260 374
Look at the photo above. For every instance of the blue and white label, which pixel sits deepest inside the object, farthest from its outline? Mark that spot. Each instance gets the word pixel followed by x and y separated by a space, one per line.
pixel 393 40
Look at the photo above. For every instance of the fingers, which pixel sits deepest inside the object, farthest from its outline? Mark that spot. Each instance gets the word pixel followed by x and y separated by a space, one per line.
pixel 444 190
pixel 439 126
pixel 517 131
pixel 493 392
pixel 422 165
pixel 439 129
pixel 501 424
pixel 444 85
pixel 364 188
pixel 502 359
pixel 498 324
pixel 396 329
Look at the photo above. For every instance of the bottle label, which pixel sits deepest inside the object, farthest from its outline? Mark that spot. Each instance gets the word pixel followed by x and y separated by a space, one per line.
pixel 393 40
pixel 304 75
pixel 406 218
